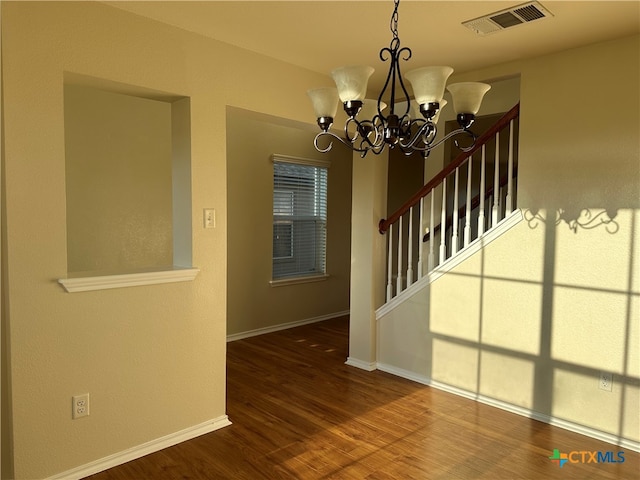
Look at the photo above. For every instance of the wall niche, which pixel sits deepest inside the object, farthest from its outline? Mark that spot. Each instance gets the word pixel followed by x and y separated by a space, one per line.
pixel 128 185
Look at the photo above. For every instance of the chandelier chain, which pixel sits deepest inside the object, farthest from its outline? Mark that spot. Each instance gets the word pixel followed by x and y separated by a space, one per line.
pixel 395 42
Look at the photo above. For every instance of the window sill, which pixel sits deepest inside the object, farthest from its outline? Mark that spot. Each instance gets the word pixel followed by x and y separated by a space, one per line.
pixel 104 282
pixel 296 280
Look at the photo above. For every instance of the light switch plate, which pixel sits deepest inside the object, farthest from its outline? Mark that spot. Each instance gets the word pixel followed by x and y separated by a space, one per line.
pixel 209 218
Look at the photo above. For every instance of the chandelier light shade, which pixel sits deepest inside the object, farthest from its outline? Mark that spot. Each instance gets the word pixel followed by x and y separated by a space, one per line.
pixel 325 101
pixel 325 105
pixel 369 128
pixel 352 81
pixel 467 98
pixel 428 83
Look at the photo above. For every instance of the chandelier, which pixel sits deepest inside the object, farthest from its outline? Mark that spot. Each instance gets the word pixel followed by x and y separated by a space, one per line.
pixel 368 129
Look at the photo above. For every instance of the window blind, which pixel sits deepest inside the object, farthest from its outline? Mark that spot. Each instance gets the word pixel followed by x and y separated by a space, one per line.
pixel 299 219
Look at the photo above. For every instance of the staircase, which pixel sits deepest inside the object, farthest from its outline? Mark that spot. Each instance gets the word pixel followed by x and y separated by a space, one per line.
pixel 462 207
pixel 475 305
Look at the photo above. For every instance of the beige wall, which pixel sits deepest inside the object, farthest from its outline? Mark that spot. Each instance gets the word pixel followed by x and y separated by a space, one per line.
pixel 140 351
pixel 118 181
pixel 533 318
pixel 252 303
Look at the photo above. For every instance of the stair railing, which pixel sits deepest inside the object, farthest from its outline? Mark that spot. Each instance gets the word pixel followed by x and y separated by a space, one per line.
pixel 475 204
pixel 456 235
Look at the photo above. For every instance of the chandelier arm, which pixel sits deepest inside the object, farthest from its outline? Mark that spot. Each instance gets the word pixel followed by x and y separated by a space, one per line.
pixel 364 149
pixel 323 134
pixel 457 132
pixel 406 151
pixel 363 130
pixel 346 129
pixel 430 130
pixel 426 132
pixel 473 136
pixel 378 123
pixel 348 143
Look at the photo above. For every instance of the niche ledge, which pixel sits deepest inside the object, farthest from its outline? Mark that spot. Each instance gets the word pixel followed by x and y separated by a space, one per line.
pixel 103 282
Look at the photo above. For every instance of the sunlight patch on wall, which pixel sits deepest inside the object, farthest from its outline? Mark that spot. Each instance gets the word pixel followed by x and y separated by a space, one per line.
pixel 455 306
pixel 518 330
pixel 589 328
pixel 455 365
pixel 507 378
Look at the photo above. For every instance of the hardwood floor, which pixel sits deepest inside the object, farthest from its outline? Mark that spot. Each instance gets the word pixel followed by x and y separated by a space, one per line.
pixel 299 413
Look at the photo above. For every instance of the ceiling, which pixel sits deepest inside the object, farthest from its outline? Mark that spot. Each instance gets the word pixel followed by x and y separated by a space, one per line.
pixel 321 35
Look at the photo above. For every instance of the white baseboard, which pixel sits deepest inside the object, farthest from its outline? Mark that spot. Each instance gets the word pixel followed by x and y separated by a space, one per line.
pixel 354 362
pixel 284 326
pixel 525 412
pixel 142 450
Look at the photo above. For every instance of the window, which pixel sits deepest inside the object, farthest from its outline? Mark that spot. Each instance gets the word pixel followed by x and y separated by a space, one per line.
pixel 299 217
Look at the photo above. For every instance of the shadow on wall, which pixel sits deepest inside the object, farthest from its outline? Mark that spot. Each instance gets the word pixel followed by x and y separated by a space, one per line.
pixel 542 341
pixel 577 219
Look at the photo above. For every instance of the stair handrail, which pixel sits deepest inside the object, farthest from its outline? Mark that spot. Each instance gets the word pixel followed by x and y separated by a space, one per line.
pixel 384 224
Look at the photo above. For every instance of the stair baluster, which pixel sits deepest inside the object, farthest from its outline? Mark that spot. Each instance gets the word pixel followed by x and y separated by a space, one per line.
pixel 467 219
pixel 410 250
pixel 509 199
pixel 431 261
pixel 495 212
pixel 454 234
pixel 399 277
pixel 443 223
pixel 390 264
pixel 455 229
pixel 481 214
pixel 420 244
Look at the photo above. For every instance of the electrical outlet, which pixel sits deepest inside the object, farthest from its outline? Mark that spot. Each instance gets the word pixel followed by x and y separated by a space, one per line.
pixel 606 381
pixel 80 404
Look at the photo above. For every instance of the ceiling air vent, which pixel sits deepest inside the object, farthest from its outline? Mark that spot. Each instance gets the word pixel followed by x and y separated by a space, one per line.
pixel 494 22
